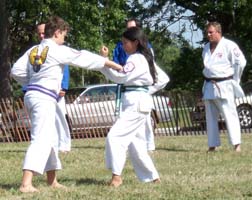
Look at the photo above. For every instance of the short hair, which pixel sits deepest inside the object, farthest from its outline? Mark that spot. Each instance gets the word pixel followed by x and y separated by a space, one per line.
pixel 54 23
pixel 216 25
pixel 138 23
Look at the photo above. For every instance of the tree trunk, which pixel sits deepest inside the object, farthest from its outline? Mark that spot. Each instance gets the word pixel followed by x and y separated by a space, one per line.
pixel 5 65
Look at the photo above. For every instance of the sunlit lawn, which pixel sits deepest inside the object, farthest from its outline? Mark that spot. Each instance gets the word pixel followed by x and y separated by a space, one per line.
pixel 186 170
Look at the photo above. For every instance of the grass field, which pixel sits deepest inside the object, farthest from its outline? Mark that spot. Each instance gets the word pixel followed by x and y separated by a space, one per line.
pixel 186 170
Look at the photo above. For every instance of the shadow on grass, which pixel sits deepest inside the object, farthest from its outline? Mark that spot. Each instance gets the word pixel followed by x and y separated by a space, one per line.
pixel 13 151
pixel 83 181
pixel 173 149
pixel 88 147
pixel 9 186
pixel 90 181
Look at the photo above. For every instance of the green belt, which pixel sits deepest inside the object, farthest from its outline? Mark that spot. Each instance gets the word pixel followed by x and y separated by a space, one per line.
pixel 122 88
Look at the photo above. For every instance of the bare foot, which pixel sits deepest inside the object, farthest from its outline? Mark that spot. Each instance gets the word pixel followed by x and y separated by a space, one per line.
pixel 116 181
pixel 211 149
pixel 28 189
pixel 157 180
pixel 237 148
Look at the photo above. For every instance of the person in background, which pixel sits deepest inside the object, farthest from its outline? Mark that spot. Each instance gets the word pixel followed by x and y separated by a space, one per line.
pixel 120 57
pixel 41 69
pixel 140 77
pixel 223 66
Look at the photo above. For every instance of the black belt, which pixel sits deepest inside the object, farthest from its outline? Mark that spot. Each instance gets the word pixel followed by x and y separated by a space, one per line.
pixel 218 79
pixel 128 88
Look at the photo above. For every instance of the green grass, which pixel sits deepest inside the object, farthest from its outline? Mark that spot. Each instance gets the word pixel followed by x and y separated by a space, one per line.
pixel 186 170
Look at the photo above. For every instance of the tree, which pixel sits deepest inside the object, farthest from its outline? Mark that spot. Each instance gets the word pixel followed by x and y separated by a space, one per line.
pixel 234 15
pixel 5 86
pixel 93 23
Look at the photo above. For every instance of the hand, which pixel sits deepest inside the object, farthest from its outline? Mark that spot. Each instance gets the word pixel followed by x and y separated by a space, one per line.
pixel 62 93
pixel 104 51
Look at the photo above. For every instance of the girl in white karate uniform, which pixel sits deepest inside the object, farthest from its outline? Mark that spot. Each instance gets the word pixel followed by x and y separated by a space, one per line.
pixel 140 77
pixel 41 69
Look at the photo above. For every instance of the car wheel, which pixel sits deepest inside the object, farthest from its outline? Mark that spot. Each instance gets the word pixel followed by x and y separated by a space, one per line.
pixel 245 116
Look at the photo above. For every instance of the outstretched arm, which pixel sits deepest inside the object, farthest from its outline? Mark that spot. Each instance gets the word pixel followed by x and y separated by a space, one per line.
pixel 113 65
pixel 104 51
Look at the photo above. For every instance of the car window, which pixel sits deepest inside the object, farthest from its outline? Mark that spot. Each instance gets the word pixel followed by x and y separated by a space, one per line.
pixel 96 91
pixel 95 94
pixel 111 90
pixel 73 93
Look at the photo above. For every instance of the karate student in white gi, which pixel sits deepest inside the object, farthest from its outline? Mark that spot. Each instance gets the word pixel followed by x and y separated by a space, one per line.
pixel 223 66
pixel 41 69
pixel 120 57
pixel 141 77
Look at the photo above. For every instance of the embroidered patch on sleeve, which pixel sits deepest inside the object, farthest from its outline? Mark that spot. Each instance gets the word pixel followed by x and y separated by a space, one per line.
pixel 129 67
pixel 237 52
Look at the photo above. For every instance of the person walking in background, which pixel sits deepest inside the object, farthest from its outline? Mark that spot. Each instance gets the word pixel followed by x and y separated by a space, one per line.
pixel 141 77
pixel 120 57
pixel 223 66
pixel 41 69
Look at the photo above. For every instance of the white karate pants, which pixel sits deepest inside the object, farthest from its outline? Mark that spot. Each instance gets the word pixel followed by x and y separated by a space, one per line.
pixel 228 109
pixel 128 134
pixel 150 135
pixel 42 154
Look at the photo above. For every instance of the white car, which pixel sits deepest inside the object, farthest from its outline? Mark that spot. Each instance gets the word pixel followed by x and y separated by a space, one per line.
pixel 95 106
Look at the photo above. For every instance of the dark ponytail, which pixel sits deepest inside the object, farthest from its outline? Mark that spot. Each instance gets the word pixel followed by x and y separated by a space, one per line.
pixel 135 33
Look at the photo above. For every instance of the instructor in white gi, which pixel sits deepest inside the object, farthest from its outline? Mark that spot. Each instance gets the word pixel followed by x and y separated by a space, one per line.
pixel 41 69
pixel 223 66
pixel 141 77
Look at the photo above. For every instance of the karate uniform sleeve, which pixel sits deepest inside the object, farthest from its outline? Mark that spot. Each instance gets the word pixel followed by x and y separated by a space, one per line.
pixel 19 71
pixel 238 62
pixel 162 80
pixel 113 75
pixel 84 59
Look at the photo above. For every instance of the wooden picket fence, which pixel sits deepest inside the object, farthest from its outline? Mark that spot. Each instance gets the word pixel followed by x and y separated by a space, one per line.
pixel 177 120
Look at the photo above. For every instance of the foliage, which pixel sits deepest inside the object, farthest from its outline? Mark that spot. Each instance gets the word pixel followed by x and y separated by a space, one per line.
pixel 101 22
pixel 186 171
pixel 92 25
pixel 189 66
pixel 233 15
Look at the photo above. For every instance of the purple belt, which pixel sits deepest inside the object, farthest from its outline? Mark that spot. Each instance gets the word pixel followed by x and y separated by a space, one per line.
pixel 44 90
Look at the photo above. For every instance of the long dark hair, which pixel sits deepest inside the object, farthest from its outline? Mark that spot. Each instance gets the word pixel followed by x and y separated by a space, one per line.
pixel 136 33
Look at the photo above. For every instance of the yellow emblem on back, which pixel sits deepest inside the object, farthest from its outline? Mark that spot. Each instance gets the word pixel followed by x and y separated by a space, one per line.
pixel 37 60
